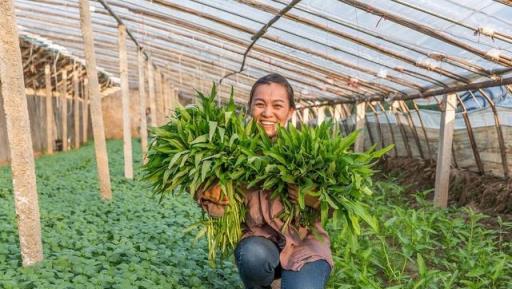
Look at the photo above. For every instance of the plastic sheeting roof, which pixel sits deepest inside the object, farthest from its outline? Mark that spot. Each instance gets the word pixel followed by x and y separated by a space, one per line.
pixel 330 50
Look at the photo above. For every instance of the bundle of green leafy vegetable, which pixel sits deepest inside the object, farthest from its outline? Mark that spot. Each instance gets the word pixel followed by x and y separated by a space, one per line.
pixel 206 144
pixel 320 163
pixel 199 147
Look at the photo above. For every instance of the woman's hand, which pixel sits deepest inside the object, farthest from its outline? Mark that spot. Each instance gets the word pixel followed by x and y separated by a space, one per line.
pixel 310 201
pixel 213 201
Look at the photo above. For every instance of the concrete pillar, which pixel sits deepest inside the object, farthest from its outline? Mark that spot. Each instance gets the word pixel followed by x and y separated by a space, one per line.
pixel 142 106
pixel 19 138
pixel 125 93
pixel 64 109
pixel 152 100
pixel 50 139
pixel 100 144
pixel 76 109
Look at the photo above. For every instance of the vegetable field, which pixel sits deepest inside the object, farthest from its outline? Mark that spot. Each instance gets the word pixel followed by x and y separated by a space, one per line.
pixel 133 242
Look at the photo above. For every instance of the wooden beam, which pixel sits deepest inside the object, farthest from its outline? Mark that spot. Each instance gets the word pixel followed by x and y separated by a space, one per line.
pixel 20 141
pixel 360 122
pixel 125 94
pixel 444 156
pixel 142 106
pixel 100 144
pixel 49 110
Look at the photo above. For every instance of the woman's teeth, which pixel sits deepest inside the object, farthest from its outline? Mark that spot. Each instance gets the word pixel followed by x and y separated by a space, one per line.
pixel 267 123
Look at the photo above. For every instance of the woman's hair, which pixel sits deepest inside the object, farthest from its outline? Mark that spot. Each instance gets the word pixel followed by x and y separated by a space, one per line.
pixel 274 78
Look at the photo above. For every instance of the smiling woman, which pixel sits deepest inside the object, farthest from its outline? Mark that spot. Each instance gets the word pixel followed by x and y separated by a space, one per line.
pixel 271 102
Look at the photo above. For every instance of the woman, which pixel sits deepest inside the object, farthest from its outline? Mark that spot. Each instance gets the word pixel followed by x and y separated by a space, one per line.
pixel 265 253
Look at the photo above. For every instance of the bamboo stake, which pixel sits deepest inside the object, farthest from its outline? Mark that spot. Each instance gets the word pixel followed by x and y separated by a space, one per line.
pixel 64 110
pixel 125 92
pixel 76 109
pixel 142 106
pixel 444 154
pixel 19 138
pixel 100 144
pixel 49 110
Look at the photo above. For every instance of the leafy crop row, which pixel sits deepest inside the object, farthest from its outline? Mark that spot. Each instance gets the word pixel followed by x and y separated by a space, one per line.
pixel 132 243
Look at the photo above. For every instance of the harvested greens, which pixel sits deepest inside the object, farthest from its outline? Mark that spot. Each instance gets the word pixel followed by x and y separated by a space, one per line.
pixel 205 144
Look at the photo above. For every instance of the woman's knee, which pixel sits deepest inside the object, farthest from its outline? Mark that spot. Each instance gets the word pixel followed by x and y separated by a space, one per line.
pixel 257 252
pixel 313 275
pixel 257 258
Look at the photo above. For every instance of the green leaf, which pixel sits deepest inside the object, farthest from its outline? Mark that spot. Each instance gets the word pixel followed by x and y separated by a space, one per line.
pixel 212 127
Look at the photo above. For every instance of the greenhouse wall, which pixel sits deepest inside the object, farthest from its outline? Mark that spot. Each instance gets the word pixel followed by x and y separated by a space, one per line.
pixel 408 145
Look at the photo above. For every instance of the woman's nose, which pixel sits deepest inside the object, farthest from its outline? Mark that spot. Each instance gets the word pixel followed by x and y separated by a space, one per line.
pixel 267 111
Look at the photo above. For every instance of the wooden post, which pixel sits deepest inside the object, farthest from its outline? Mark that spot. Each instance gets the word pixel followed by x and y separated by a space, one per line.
pixel 152 103
pixel 305 116
pixel 360 117
pixel 64 110
pixel 125 92
pixel 159 97
pixel 76 109
pixel 19 138
pixel 85 110
pixel 142 106
pixel 294 118
pixel 320 114
pixel 167 96
pixel 444 156
pixel 100 144
pixel 164 98
pixel 49 110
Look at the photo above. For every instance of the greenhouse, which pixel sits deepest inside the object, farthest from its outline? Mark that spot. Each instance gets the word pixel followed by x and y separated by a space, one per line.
pixel 255 144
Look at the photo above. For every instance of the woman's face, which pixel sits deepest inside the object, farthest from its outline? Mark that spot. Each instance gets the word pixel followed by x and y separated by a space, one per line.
pixel 270 106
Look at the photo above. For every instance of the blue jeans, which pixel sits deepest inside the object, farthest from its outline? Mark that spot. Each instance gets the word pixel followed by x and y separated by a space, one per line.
pixel 257 259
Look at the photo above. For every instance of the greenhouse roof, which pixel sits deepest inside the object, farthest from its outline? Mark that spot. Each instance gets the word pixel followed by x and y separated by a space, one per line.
pixel 343 50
